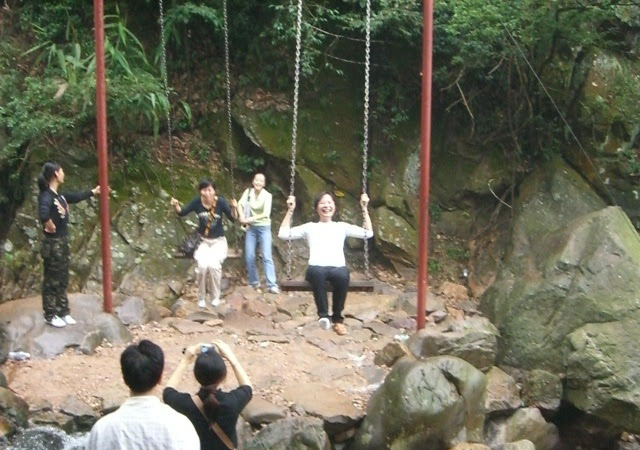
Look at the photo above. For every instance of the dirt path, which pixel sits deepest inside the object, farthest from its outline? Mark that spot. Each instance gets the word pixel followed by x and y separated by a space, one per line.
pixel 305 354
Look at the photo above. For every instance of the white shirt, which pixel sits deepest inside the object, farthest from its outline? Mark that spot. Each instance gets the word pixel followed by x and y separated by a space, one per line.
pixel 326 240
pixel 143 423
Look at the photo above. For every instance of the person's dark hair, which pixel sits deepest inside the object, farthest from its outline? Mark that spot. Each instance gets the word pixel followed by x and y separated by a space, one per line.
pixel 318 197
pixel 205 184
pixel 142 366
pixel 48 171
pixel 209 370
pixel 259 172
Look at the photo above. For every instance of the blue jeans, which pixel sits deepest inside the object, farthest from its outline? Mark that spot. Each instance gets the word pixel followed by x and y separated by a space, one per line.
pixel 254 235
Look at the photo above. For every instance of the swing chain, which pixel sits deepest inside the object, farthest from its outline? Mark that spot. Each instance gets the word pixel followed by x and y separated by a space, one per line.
pixel 365 144
pixel 294 130
pixel 165 78
pixel 230 150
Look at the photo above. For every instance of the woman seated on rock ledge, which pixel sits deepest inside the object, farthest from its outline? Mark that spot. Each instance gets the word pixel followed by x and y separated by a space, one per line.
pixel 326 254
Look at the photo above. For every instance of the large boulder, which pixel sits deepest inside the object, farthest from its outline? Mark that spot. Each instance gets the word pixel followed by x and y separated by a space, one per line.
pixel 297 433
pixel 524 424
pixel 142 238
pixel 503 394
pixel 542 390
pixel 603 371
pixel 425 404
pixel 607 111
pixel 566 296
pixel 14 412
pixel 26 329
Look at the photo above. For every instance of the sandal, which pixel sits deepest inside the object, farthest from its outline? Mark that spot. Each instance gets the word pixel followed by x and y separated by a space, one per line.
pixel 340 329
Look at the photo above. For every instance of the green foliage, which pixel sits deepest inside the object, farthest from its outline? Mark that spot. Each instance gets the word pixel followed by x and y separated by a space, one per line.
pixel 249 164
pixel 457 253
pixel 434 266
pixel 332 156
pixel 435 212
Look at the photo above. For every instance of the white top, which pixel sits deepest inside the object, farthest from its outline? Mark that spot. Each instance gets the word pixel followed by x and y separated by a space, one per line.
pixel 143 423
pixel 326 240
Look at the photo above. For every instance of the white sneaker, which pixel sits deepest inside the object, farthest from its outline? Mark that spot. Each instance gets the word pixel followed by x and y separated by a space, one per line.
pixel 215 302
pixel 69 320
pixel 202 304
pixel 274 290
pixel 324 323
pixel 57 322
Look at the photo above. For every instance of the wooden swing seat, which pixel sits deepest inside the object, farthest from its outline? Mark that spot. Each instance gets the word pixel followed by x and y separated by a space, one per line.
pixel 304 286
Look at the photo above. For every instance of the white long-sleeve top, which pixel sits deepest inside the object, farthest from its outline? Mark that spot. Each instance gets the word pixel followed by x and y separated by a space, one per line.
pixel 326 240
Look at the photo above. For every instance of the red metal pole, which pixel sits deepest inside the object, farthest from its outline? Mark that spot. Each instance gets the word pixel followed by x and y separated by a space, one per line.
pixel 425 162
pixel 103 173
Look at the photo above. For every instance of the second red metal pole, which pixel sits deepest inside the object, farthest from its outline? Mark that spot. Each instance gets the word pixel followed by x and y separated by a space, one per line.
pixel 103 172
pixel 425 163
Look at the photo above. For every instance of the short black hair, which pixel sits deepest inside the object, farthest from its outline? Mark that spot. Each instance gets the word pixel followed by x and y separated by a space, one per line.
pixel 318 197
pixel 48 171
pixel 205 184
pixel 142 365
pixel 209 368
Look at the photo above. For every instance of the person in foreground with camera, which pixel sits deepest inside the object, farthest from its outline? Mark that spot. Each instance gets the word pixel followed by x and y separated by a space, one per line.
pixel 212 412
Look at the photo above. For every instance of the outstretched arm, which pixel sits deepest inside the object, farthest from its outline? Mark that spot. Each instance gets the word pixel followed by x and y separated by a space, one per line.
pixel 189 356
pixel 226 352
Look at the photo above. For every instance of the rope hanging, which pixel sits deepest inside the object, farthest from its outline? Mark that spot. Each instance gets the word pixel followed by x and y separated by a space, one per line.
pixel 166 93
pixel 365 143
pixel 294 129
pixel 230 150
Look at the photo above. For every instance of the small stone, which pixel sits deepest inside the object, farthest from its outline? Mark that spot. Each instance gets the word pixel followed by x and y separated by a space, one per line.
pixel 83 415
pixel 276 339
pixel 392 352
pixel 259 412
pixel 381 329
pixel 189 327
pixel 439 316
pixel 258 308
pixel 519 445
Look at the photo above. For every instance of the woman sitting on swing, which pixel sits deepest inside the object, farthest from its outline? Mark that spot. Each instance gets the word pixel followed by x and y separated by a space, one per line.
pixel 213 248
pixel 326 254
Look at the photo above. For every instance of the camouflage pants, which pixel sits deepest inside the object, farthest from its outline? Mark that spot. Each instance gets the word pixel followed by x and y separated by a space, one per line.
pixel 55 254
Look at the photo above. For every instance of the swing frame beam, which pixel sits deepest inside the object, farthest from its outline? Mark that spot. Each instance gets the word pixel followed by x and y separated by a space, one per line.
pixel 103 158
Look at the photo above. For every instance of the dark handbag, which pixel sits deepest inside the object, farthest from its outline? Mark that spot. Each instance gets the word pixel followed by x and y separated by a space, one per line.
pixel 190 244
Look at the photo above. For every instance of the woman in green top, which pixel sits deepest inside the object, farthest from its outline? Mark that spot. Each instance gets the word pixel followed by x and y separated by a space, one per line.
pixel 255 211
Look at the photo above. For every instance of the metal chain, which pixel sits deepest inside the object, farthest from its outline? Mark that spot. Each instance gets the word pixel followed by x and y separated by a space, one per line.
pixel 365 144
pixel 166 93
pixel 230 150
pixel 294 129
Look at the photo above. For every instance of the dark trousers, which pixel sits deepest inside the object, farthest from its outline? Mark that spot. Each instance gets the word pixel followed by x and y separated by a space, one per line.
pixel 318 276
pixel 55 256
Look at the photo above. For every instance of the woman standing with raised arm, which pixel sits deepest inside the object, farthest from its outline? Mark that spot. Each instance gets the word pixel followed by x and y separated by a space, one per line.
pixel 212 412
pixel 53 212
pixel 255 211
pixel 213 248
pixel 326 254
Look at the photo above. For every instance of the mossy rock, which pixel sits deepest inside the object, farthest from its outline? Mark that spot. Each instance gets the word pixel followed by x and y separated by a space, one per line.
pixel 424 404
pixel 395 236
